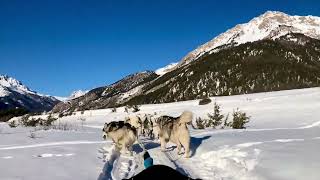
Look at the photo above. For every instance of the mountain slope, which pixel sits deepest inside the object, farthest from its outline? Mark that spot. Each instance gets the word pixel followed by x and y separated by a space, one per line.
pixel 269 25
pixel 109 96
pixel 288 62
pixel 13 94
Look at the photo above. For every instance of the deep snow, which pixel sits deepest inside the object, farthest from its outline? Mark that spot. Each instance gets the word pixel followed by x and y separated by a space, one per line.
pixel 281 142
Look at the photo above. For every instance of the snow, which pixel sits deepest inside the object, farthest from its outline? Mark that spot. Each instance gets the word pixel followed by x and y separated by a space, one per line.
pixel 164 70
pixel 60 98
pixel 77 94
pixel 74 94
pixel 281 142
pixel 13 84
pixel 130 93
pixel 3 92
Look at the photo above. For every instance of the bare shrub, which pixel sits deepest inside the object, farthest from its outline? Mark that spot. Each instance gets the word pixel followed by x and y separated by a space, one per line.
pixel 64 126
pixel 83 120
pixel 50 120
pixel 32 134
pixel 13 124
pixel 26 121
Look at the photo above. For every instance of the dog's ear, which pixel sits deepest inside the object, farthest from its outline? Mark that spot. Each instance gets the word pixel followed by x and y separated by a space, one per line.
pixel 105 125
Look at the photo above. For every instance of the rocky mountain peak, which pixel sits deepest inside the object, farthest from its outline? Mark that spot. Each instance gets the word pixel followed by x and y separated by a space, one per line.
pixel 270 25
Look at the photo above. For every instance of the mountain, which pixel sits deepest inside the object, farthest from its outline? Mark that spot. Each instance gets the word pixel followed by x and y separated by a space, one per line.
pixel 271 52
pixel 289 62
pixel 13 94
pixel 109 96
pixel 269 25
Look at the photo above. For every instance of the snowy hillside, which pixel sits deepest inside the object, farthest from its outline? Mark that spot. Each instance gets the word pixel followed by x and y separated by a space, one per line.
pixel 269 25
pixel 281 142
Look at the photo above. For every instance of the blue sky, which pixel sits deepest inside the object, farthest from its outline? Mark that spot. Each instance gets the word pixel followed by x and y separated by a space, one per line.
pixel 58 46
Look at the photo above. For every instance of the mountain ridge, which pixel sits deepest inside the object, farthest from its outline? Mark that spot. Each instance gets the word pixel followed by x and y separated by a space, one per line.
pixel 14 94
pixel 257 29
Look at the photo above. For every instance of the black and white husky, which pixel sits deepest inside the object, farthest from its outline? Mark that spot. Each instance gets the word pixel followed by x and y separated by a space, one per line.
pixel 174 129
pixel 123 135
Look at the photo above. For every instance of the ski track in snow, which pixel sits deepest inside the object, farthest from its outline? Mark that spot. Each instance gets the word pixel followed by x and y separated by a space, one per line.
pixel 52 144
pixel 225 162
pixel 119 166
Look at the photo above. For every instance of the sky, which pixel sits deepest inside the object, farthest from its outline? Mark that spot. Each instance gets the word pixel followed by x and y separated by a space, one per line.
pixel 59 46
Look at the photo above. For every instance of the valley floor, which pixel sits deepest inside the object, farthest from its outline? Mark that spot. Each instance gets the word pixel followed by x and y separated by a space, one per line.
pixel 282 141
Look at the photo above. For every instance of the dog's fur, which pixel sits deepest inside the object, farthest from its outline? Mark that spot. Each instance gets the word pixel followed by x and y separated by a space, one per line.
pixel 122 134
pixel 134 120
pixel 174 129
pixel 147 125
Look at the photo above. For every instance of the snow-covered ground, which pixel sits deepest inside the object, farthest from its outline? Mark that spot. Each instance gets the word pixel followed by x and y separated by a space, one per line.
pixel 282 141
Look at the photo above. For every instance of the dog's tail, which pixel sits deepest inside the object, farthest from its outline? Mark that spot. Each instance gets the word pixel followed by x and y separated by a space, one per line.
pixel 186 117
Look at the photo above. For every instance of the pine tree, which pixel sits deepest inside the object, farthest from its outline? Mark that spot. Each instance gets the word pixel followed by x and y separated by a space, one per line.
pixel 215 119
pixel 200 123
pixel 239 119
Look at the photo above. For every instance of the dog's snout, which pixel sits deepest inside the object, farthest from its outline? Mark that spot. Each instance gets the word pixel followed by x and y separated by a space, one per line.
pixel 104 137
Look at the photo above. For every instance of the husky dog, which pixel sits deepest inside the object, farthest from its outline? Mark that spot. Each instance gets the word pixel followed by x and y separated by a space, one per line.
pixel 122 134
pixel 146 125
pixel 174 129
pixel 136 122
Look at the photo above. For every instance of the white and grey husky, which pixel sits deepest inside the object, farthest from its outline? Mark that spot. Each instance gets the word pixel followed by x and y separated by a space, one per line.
pixel 174 129
pixel 123 135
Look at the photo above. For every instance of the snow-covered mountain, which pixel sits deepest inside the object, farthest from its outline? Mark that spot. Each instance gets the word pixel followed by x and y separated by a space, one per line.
pixel 14 94
pixel 167 68
pixel 269 25
pixel 77 93
pixel 7 83
pixel 73 95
